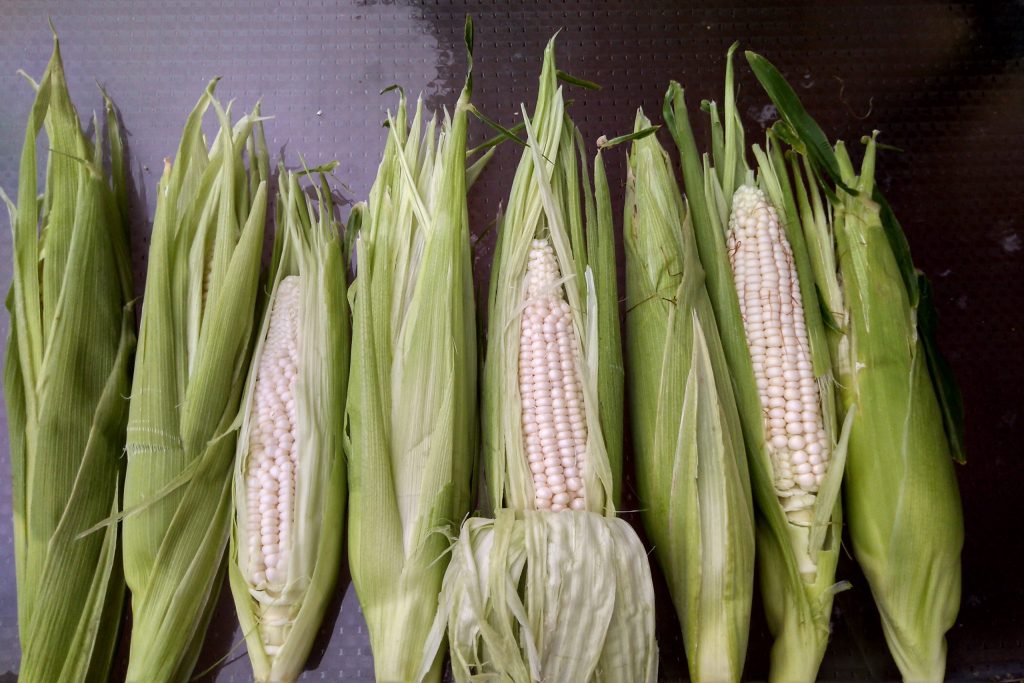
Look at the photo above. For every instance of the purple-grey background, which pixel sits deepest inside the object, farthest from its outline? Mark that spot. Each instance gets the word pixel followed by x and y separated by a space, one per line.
pixel 943 81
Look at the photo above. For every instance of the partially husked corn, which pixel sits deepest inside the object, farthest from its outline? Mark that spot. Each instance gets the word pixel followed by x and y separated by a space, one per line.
pixel 554 422
pixel 773 319
pixel 288 485
pixel 272 461
pixel 553 588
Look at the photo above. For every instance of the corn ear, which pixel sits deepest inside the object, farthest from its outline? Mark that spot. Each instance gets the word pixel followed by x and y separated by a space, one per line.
pixel 797 549
pixel 194 348
pixel 544 208
pixel 411 417
pixel 69 347
pixel 903 507
pixel 906 425
pixel 305 321
pixel 555 587
pixel 692 473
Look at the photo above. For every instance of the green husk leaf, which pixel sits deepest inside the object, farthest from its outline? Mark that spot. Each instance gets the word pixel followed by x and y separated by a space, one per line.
pixel 943 378
pixel 816 145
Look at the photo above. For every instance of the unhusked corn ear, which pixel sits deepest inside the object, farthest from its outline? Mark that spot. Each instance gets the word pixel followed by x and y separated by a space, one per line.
pixel 411 415
pixel 66 378
pixel 554 421
pixel 270 480
pixel 195 343
pixel 900 488
pixel 773 318
pixel 692 475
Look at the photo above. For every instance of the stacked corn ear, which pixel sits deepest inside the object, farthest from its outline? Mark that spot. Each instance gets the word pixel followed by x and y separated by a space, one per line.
pixel 289 480
pixel 554 587
pixel 903 507
pixel 691 467
pixel 760 280
pixel 412 394
pixel 65 380
pixel 194 347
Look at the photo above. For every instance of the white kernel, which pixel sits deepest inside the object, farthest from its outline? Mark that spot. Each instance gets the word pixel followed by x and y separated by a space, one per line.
pixel 807 481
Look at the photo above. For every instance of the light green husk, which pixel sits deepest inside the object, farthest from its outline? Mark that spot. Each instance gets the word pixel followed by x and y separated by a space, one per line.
pixel 66 375
pixel 691 468
pixel 307 245
pixel 796 563
pixel 552 596
pixel 194 349
pixel 411 419
pixel 901 495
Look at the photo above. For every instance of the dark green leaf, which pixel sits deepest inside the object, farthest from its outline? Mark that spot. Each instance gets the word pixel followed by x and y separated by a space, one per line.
pixel 946 389
pixel 502 130
pixel 573 80
pixel 900 248
pixel 792 111
pixel 496 140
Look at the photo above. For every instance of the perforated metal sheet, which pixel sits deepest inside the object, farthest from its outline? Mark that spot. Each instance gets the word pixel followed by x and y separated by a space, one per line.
pixel 943 81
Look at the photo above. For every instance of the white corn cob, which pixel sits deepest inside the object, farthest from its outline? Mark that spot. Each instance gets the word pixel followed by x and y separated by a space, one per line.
pixel 773 319
pixel 554 421
pixel 270 477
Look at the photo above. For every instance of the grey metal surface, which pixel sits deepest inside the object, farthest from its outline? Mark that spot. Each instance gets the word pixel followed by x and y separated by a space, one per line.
pixel 943 81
